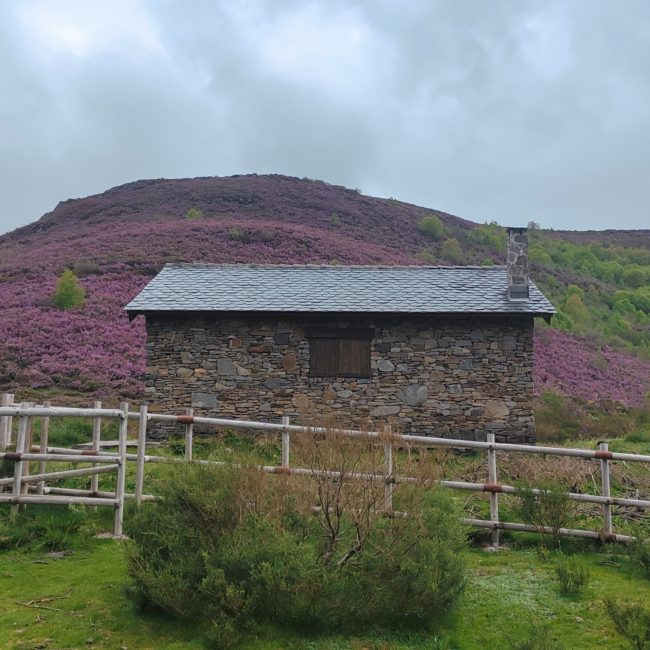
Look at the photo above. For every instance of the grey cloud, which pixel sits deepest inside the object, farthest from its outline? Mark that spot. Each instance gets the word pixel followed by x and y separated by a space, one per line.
pixel 504 110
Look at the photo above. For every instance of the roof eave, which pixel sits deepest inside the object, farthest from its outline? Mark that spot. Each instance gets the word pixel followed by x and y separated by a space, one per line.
pixel 134 313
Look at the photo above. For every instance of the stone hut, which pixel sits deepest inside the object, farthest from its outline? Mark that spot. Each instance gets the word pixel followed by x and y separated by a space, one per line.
pixel 444 351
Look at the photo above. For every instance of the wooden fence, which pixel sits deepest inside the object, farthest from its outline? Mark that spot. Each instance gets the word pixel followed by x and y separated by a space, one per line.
pixel 23 452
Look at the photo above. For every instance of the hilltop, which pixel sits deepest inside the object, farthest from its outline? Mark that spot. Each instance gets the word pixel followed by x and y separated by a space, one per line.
pixel 597 348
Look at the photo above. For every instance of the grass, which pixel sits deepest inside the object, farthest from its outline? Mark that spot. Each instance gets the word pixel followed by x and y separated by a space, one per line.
pixel 88 606
pixel 508 592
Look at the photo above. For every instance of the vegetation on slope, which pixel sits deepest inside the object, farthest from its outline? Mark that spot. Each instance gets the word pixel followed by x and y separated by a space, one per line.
pixel 114 242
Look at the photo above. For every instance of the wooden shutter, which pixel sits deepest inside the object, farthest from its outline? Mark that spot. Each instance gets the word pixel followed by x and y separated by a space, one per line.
pixel 323 357
pixel 354 357
pixel 339 352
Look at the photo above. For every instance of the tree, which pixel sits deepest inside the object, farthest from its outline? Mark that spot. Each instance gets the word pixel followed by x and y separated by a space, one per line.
pixel 451 251
pixel 69 292
pixel 194 213
pixel 432 227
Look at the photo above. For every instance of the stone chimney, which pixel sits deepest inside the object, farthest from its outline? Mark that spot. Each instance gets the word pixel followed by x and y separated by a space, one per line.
pixel 517 264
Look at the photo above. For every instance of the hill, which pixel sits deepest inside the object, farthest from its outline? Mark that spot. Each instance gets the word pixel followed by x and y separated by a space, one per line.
pixel 597 348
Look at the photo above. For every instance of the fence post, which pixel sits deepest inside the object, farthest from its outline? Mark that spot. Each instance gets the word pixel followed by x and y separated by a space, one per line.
pixel 285 442
pixel 494 496
pixel 604 480
pixel 189 435
pixel 27 447
pixel 121 471
pixel 21 438
pixel 142 442
pixel 6 422
pixel 45 433
pixel 389 485
pixel 97 436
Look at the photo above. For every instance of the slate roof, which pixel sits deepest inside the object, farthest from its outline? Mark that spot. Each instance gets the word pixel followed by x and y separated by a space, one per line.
pixel 311 288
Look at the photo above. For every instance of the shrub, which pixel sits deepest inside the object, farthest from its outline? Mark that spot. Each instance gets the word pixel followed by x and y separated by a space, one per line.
pixel 232 548
pixel 68 293
pixel 432 227
pixel 234 234
pixel 639 549
pixel 548 509
pixel 427 256
pixel 489 235
pixel 335 220
pixel 632 620
pixel 55 529
pixel 538 255
pixel 576 310
pixel 452 252
pixel 572 575
pixel 194 213
pixel 638 436
pixel 83 268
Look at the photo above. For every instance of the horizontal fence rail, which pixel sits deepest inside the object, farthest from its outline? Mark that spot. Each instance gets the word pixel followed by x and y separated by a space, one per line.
pixel 22 452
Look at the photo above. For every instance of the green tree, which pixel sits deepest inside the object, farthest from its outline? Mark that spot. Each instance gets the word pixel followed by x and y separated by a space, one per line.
pixel 576 310
pixel 452 252
pixel 539 256
pixel 635 276
pixel 194 213
pixel 69 292
pixel 432 227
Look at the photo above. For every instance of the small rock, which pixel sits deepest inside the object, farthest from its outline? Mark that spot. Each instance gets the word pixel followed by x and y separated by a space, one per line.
pixel 300 401
pixel 204 400
pixel 243 372
pixel 385 365
pixel 329 395
pixel 508 343
pixel 383 411
pixel 224 367
pixel 496 410
pixel 289 362
pixel 281 338
pixel 414 394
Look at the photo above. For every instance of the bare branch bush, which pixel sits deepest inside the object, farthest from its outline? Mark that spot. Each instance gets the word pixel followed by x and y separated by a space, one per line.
pixel 327 543
pixel 349 480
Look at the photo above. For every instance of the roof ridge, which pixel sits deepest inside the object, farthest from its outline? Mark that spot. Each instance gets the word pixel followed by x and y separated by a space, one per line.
pixel 330 266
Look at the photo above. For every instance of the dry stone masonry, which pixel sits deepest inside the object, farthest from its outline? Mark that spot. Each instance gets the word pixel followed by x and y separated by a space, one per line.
pixel 444 375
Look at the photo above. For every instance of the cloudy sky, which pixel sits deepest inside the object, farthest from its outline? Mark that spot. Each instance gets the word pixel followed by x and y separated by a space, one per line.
pixel 489 109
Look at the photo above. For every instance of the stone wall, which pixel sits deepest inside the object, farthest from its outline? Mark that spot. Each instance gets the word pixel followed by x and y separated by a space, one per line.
pixel 457 377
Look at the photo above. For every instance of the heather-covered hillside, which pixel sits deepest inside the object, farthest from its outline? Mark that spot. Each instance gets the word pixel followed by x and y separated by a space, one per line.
pixel 117 240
